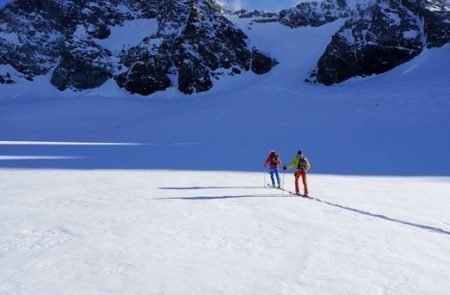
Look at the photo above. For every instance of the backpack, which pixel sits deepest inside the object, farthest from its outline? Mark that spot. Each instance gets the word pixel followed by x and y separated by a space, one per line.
pixel 274 159
pixel 303 164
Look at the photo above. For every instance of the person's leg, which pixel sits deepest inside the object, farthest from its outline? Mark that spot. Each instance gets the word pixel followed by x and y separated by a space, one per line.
pixel 305 183
pixel 271 176
pixel 277 174
pixel 297 175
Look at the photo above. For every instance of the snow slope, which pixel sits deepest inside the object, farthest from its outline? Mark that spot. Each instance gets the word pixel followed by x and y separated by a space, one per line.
pixel 121 37
pixel 175 232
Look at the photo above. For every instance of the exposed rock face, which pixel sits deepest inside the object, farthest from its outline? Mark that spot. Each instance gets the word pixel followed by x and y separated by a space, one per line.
pixel 194 43
pixel 82 66
pixel 314 13
pixel 6 79
pixel 436 17
pixel 258 16
pixel 31 47
pixel 377 38
pixel 36 35
pixel 262 63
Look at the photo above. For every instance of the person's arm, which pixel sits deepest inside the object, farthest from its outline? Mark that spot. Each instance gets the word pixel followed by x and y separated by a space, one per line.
pixel 267 161
pixel 278 162
pixel 293 163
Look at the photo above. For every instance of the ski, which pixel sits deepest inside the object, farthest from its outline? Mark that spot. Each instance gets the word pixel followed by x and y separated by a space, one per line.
pixel 288 191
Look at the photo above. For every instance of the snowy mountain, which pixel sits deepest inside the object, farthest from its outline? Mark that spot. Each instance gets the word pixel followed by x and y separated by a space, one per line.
pixel 376 37
pixel 380 36
pixel 185 43
pixel 149 46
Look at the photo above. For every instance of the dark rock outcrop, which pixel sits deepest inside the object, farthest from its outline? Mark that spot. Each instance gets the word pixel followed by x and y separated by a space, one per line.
pixel 6 79
pixel 436 15
pixel 262 63
pixel 304 14
pixel 194 43
pixel 82 66
pixel 258 16
pixel 314 13
pixel 377 38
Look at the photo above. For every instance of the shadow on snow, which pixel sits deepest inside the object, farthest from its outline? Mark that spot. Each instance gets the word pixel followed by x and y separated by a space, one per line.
pixel 221 197
pixel 247 157
pixel 387 218
pixel 209 187
pixel 359 211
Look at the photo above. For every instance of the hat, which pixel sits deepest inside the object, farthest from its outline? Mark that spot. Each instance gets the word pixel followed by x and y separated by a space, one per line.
pixel 299 152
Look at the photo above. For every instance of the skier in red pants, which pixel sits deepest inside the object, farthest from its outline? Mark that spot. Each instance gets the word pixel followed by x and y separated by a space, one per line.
pixel 302 164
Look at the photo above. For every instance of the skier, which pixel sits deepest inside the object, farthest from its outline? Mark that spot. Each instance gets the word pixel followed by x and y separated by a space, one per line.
pixel 274 163
pixel 302 164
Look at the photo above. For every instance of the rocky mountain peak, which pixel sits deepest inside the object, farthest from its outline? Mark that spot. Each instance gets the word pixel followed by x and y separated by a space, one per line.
pixel 381 35
pixel 192 45
pixel 149 46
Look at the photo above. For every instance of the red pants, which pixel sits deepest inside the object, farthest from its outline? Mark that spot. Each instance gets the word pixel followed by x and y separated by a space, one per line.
pixel 301 173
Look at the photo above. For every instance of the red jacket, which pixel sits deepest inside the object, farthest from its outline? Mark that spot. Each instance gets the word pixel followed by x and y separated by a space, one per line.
pixel 274 162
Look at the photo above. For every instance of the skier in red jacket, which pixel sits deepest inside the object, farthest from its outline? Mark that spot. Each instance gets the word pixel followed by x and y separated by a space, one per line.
pixel 274 163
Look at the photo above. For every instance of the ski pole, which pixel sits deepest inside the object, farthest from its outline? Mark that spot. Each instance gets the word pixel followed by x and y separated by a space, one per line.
pixel 264 177
pixel 282 192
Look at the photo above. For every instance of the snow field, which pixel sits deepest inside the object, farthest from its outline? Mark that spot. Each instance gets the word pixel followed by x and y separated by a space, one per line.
pixel 184 232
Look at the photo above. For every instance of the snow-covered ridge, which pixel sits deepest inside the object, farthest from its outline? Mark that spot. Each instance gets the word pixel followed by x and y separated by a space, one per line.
pixel 151 46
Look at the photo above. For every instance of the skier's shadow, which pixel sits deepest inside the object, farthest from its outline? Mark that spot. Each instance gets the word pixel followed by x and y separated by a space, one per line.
pixel 208 187
pixel 359 211
pixel 206 198
pixel 384 217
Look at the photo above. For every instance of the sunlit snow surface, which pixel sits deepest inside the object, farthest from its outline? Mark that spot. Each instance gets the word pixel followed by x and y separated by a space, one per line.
pixel 185 232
